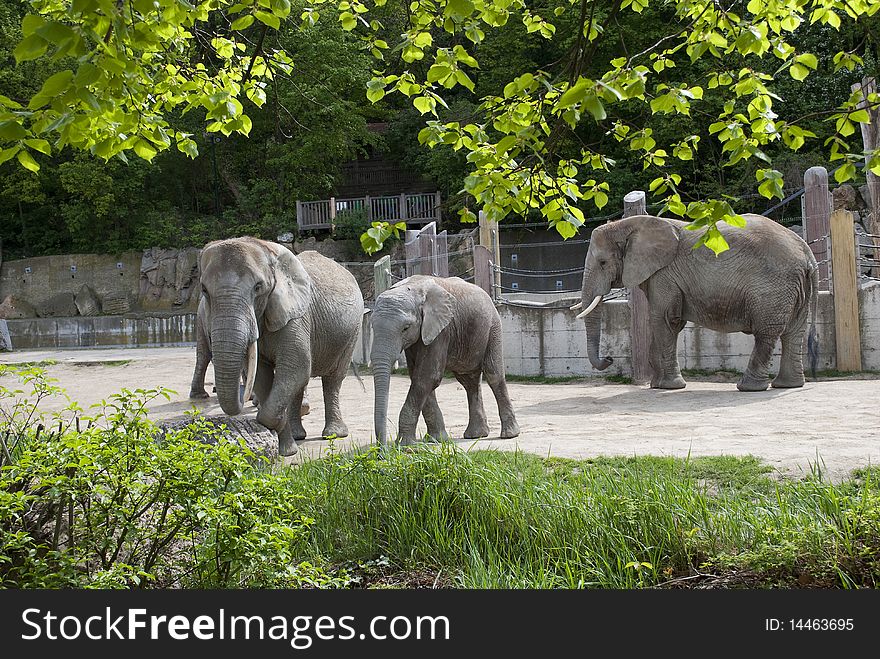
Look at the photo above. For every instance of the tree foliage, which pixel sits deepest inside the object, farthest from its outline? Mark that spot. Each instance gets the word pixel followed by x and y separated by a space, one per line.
pixel 125 78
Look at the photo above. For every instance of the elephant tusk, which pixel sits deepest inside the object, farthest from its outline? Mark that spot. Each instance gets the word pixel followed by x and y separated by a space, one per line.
pixel 593 305
pixel 251 371
pixel 576 306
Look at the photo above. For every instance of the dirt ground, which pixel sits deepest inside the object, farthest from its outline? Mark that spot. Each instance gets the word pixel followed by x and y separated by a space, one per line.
pixel 834 423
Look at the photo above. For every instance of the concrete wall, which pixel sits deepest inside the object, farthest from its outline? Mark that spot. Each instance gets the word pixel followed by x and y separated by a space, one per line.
pixel 550 341
pixel 131 330
pixel 50 276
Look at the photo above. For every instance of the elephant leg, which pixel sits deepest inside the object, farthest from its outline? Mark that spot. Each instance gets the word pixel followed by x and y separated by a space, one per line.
pixel 478 425
pixel 333 423
pixel 493 369
pixel 791 363
pixel 419 389
pixel 203 357
pixel 306 407
pixel 280 409
pixel 263 380
pixel 663 354
pixel 756 377
pixel 434 418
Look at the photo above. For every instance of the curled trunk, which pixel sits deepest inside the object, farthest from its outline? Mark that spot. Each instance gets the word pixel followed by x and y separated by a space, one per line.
pixel 593 324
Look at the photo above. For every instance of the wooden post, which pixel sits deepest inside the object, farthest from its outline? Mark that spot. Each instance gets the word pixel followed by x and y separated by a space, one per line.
pixel 411 250
pixel 482 272
pixel 381 275
pixel 299 215
pixel 427 249
pixel 332 214
pixel 442 255
pixel 639 332
pixel 403 207
pixel 871 141
pixel 437 207
pixel 846 292
pixel 490 238
pixel 496 258
pixel 485 231
pixel 369 205
pixel 816 209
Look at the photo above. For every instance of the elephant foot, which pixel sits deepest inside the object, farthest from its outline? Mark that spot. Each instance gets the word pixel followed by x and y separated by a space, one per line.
pixel 475 431
pixel 751 383
pixel 287 446
pixel 676 382
pixel 198 393
pixel 509 430
pixel 792 382
pixel 335 429
pixel 305 408
pixel 440 435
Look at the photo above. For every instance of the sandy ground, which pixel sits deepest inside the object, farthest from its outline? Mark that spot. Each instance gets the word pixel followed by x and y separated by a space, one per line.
pixel 832 423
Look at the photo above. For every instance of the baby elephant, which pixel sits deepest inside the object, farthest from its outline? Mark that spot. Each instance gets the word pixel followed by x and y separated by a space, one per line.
pixel 443 323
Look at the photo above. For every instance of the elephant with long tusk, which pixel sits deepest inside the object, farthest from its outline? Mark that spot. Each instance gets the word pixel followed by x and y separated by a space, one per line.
pixel 766 285
pixel 276 320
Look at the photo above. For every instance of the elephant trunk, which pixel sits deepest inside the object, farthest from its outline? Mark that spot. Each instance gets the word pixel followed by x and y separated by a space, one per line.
pixel 594 334
pixel 234 350
pixel 592 315
pixel 381 361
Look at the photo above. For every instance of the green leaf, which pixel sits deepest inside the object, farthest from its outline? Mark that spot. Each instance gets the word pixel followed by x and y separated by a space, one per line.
pixel 423 104
pixel 798 71
pixel 574 95
pixel 242 22
pixel 566 229
pixel 459 8
pixel 30 48
pixel 6 154
pixel 595 107
pixel 145 150
pixel 268 19
pixel 27 161
pixel 11 130
pixel 39 145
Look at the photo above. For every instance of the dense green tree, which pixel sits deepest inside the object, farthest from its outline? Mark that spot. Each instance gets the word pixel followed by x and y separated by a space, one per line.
pixel 548 102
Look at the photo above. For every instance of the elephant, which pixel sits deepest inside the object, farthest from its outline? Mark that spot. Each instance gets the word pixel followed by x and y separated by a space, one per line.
pixel 282 319
pixel 203 358
pixel 766 284
pixel 442 323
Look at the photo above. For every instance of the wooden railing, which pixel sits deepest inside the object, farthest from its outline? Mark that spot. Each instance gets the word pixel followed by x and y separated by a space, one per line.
pixel 409 208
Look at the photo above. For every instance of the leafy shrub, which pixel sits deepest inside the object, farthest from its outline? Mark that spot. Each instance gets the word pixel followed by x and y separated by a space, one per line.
pixel 109 505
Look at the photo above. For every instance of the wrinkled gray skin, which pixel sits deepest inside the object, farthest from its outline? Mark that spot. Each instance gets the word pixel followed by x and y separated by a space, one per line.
pixel 302 311
pixel 203 358
pixel 442 324
pixel 763 285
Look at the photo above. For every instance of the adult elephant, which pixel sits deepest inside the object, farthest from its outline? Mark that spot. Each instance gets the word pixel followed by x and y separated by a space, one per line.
pixel 764 285
pixel 282 319
pixel 442 323
pixel 203 358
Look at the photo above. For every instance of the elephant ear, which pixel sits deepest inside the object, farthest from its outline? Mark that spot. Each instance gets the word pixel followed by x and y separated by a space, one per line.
pixel 436 312
pixel 292 294
pixel 652 244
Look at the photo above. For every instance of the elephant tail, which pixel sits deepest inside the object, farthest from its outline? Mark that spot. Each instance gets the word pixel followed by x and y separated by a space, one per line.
pixel 813 335
pixel 354 369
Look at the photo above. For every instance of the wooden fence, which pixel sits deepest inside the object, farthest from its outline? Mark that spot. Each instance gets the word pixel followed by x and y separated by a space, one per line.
pixel 409 208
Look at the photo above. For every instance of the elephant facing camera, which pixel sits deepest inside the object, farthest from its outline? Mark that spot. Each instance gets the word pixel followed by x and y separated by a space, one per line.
pixel 441 323
pixel 273 320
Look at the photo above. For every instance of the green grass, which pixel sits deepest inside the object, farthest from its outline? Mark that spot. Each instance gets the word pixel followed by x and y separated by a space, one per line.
pixel 512 520
pixel 543 379
pixel 619 379
pixel 702 372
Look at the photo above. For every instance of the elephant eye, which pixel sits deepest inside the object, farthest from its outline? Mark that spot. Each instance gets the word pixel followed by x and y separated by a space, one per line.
pixel 204 291
pixel 258 287
pixel 603 263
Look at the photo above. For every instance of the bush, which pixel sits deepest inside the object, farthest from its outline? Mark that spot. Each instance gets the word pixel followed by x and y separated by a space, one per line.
pixel 109 506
